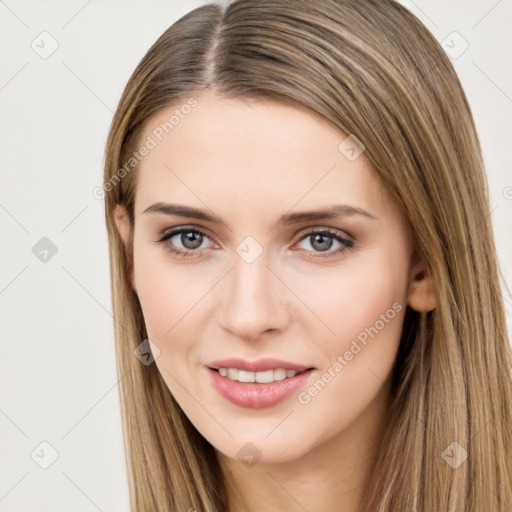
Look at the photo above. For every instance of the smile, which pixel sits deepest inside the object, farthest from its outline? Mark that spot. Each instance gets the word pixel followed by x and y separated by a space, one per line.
pixel 260 377
pixel 245 391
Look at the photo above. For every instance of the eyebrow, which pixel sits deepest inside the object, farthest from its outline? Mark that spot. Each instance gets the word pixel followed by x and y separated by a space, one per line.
pixel 330 212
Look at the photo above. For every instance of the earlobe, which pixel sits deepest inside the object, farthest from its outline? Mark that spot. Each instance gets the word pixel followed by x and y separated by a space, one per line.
pixel 124 227
pixel 422 295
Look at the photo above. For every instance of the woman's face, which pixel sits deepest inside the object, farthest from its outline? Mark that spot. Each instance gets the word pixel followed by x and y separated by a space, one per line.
pixel 265 279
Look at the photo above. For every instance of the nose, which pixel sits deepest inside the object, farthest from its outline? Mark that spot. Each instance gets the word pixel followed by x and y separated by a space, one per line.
pixel 254 300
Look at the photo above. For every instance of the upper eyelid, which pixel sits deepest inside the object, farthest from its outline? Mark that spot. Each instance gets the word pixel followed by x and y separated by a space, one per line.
pixel 172 232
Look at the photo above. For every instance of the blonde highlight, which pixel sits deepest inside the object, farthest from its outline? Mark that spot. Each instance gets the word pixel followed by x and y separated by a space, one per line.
pixel 373 70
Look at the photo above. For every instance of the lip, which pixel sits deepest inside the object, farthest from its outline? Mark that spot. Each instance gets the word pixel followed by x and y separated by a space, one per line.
pixel 260 365
pixel 254 395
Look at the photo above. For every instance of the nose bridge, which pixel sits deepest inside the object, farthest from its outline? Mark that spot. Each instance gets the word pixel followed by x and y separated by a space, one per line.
pixel 251 304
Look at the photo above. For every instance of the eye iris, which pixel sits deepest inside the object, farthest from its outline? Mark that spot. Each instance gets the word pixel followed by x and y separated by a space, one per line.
pixel 191 239
pixel 323 245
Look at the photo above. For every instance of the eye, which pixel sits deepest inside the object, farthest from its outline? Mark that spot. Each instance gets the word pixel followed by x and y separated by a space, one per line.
pixel 323 240
pixel 189 238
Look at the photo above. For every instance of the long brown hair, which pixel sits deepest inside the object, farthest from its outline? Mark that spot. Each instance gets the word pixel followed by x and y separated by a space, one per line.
pixel 373 70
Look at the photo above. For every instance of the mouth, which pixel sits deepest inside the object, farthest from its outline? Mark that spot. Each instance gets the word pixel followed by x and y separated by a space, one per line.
pixel 258 389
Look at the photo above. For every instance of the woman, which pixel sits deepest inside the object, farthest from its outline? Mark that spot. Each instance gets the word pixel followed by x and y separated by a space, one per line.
pixel 305 284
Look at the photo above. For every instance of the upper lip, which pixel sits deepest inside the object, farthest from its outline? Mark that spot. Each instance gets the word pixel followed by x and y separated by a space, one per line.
pixel 260 365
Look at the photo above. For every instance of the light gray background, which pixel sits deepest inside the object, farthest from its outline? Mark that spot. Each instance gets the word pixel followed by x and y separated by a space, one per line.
pixel 58 382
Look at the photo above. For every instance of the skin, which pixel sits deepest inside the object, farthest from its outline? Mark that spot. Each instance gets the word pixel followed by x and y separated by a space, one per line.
pixel 249 162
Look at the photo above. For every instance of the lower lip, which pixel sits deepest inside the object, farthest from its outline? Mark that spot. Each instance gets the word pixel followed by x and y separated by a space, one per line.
pixel 255 395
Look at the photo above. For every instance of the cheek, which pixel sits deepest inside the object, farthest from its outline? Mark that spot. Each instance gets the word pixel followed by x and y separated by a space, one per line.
pixel 167 295
pixel 165 292
pixel 363 306
pixel 173 297
pixel 351 298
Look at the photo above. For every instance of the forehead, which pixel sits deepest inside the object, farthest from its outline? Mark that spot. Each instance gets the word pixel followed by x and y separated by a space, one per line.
pixel 255 153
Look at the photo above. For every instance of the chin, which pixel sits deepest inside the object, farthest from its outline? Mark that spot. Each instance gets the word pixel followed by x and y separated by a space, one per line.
pixel 263 451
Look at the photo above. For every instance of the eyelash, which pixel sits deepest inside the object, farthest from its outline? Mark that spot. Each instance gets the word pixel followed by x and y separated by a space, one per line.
pixel 164 240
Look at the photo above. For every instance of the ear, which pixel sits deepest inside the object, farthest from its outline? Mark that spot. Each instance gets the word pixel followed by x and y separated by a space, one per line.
pixel 422 295
pixel 124 227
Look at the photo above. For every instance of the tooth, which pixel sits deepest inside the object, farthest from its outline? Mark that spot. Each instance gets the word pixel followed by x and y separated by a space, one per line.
pixel 279 374
pixel 244 376
pixel 232 373
pixel 265 377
